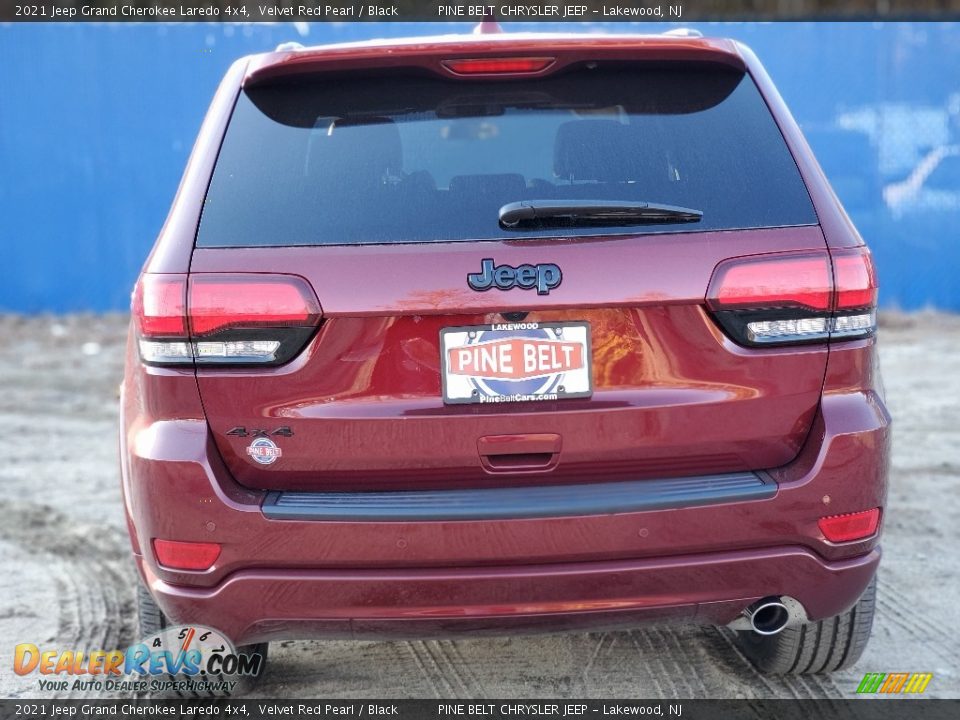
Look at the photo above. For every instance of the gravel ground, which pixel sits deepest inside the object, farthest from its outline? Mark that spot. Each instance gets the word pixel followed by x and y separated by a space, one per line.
pixel 66 578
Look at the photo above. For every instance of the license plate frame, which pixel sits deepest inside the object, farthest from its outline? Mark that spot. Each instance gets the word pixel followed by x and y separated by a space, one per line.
pixel 490 346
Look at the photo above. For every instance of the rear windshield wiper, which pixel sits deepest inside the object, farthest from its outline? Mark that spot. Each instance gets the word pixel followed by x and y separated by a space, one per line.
pixel 532 214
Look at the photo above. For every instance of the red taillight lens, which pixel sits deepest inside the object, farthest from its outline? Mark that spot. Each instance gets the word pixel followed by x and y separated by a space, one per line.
pixel 772 282
pixel 855 279
pixel 850 526
pixel 789 298
pixel 159 305
pixel 220 302
pixel 498 66
pixel 186 555
pixel 238 319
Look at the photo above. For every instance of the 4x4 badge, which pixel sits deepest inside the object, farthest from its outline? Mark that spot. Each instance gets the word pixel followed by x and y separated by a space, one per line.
pixel 544 277
pixel 241 431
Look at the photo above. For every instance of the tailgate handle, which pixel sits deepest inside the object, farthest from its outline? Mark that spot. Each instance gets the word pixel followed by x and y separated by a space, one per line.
pixel 512 453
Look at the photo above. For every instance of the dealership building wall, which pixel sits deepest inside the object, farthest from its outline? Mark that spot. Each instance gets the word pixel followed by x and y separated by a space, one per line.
pixel 96 122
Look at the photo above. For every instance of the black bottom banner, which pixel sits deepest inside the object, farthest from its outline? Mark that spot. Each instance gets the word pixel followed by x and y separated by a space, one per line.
pixel 875 709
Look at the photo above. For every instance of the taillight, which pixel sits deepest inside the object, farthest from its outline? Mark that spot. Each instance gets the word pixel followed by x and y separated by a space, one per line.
pixel 223 319
pixel 498 66
pixel 850 526
pixel 855 305
pixel 222 302
pixel 159 305
pixel 160 317
pixel 790 298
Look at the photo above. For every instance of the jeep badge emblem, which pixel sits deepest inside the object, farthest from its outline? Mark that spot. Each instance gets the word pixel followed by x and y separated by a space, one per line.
pixel 544 277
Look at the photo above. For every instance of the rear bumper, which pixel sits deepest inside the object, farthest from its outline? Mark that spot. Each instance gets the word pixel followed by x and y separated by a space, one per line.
pixel 292 578
pixel 520 503
pixel 262 605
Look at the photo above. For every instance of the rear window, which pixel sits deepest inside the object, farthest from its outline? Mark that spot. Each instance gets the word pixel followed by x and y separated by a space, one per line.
pixel 422 159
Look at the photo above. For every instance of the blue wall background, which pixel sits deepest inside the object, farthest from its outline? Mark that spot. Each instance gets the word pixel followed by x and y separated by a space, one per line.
pixel 96 122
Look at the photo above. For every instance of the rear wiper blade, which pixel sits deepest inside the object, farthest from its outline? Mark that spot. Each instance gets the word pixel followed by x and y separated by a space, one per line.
pixel 531 214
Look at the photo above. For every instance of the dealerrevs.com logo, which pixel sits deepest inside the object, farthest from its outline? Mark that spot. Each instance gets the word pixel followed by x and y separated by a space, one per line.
pixel 188 658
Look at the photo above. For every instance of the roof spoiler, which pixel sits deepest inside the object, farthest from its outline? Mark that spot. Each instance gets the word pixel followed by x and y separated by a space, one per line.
pixel 430 53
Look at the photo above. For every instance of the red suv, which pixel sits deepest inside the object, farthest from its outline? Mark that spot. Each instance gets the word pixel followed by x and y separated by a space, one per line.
pixel 507 332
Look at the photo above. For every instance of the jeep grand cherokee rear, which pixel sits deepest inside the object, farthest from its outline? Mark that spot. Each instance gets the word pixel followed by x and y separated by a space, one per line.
pixel 497 333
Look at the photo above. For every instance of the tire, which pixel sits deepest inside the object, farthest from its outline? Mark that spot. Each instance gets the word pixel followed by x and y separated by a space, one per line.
pixel 818 647
pixel 151 620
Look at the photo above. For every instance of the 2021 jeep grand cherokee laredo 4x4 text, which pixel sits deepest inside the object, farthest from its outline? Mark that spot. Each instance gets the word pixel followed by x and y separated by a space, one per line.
pixel 500 333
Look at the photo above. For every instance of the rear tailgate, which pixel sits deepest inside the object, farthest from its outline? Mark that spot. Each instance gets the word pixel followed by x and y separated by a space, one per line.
pixel 384 195
pixel 671 394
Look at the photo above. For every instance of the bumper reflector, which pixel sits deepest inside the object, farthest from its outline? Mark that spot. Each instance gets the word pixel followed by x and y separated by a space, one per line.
pixel 850 526
pixel 185 555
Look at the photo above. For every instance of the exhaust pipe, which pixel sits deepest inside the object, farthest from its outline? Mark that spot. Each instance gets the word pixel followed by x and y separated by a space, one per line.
pixel 768 616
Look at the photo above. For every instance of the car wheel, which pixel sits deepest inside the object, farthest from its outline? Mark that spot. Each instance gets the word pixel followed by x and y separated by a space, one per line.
pixel 817 647
pixel 151 621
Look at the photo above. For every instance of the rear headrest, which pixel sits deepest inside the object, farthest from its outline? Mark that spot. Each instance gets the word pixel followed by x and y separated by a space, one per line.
pixel 350 148
pixel 593 150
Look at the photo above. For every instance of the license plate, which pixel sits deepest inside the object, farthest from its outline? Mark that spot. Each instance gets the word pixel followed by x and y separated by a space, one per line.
pixel 516 362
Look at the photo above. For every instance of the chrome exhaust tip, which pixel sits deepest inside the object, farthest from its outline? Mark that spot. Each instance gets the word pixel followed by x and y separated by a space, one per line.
pixel 768 616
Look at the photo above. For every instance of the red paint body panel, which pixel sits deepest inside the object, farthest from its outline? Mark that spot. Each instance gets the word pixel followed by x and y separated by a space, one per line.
pixel 171 253
pixel 258 606
pixel 673 397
